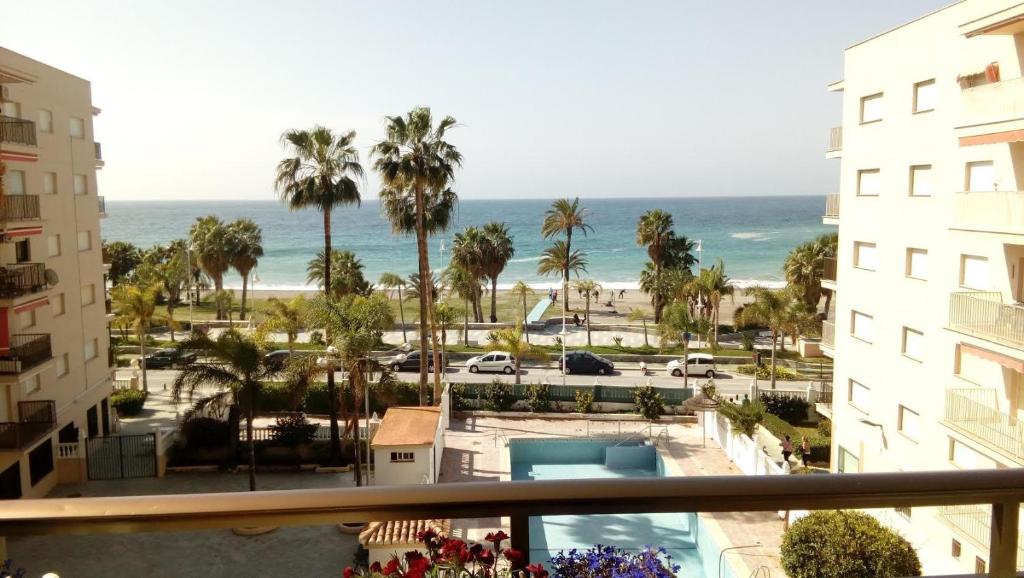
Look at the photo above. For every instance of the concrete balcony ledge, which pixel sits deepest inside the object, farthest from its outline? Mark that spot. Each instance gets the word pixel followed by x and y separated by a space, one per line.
pixel 975 412
pixel 989 212
pixel 991 108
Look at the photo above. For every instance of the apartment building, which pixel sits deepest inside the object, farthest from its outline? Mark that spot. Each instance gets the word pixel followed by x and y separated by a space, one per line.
pixel 55 368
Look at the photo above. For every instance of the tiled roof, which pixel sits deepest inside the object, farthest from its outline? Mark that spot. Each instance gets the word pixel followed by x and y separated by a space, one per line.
pixel 400 533
pixel 407 426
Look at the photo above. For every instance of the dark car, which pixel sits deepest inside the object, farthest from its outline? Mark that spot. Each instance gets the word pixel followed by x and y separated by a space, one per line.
pixel 169 358
pixel 411 361
pixel 586 362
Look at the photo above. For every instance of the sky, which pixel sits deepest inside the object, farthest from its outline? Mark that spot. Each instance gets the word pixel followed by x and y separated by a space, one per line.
pixel 553 98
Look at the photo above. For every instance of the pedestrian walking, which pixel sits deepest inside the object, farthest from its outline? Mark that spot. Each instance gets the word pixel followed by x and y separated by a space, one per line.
pixel 805 451
pixel 787 448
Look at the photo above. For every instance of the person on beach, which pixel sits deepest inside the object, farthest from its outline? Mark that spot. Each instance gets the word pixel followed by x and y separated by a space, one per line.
pixel 805 451
pixel 787 448
pixel 622 293
pixel 551 293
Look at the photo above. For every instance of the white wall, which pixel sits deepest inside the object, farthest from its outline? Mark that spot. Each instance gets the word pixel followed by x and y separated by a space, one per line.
pixel 388 473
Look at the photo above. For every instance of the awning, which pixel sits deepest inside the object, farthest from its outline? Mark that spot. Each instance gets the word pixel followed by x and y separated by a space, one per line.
pixel 19 232
pixel 19 157
pixel 1004 360
pixel 33 304
pixel 993 138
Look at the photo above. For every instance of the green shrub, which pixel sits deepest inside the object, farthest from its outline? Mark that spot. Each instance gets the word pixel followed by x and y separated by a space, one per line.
pixel 205 432
pixel 293 430
pixel 316 337
pixel 825 428
pixel 790 409
pixel 647 402
pixel 584 401
pixel 458 393
pixel 765 371
pixel 500 396
pixel 618 341
pixel 745 417
pixel 821 446
pixel 538 397
pixel 846 544
pixel 128 402
pixel 747 341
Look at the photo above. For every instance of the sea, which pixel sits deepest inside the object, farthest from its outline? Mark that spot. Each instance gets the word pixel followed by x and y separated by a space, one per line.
pixel 752 235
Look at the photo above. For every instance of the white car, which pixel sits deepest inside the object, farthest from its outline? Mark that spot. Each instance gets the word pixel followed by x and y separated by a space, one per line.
pixel 697 364
pixel 492 361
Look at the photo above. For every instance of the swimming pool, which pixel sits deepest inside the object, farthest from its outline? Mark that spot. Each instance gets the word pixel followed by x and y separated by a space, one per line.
pixel 682 534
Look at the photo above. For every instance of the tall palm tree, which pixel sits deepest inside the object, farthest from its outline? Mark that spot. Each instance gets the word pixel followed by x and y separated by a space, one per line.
pixel 346 274
pixel 674 328
pixel 521 291
pixel 390 280
pixel 135 307
pixel 654 231
pixel 663 287
pixel 557 259
pixel 322 174
pixel 470 253
pixel 235 366
pixel 245 240
pixel 770 309
pixel 510 339
pixel 416 161
pixel 564 217
pixel 467 287
pixel 210 236
pixel 446 316
pixel 286 317
pixel 499 251
pixel 588 288
pixel 710 286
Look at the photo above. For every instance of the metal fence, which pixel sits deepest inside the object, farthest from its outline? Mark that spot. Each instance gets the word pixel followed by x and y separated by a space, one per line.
pixel 21 278
pixel 984 314
pixel 35 419
pixel 567 393
pixel 321 433
pixel 26 351
pixel 16 130
pixel 974 522
pixel 121 456
pixel 19 208
pixel 975 411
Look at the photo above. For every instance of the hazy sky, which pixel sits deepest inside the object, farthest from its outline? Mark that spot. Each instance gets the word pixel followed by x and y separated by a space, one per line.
pixel 555 98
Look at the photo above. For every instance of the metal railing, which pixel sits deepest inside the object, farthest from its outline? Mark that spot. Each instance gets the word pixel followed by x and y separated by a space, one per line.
pixel 22 279
pixel 26 351
pixel 832 205
pixel 982 313
pixel 974 521
pixel 825 394
pixel 16 130
pixel 835 139
pixel 975 412
pixel 829 267
pixel 19 208
pixel 99 151
pixel 35 420
pixel 828 334
pixel 102 205
pixel 1004 489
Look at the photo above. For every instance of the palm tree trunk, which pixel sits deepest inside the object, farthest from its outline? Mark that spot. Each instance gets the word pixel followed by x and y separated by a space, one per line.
pixel 494 299
pixel 424 292
pixel 465 324
pixel 565 268
pixel 170 317
pixel 218 286
pixel 332 388
pixel 686 361
pixel 646 343
pixel 518 365
pixel 234 413
pixel 245 291
pixel 252 445
pixel 774 339
pixel 526 330
pixel 401 314
pixel 588 319
pixel 142 359
pixel 353 381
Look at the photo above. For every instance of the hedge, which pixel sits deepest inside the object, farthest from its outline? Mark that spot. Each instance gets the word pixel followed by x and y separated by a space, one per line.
pixel 821 447
pixel 128 402
pixel 846 544
pixel 765 372
pixel 275 397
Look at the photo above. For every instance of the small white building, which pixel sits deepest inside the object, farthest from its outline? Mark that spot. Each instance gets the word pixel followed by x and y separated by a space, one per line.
pixel 407 446
pixel 384 540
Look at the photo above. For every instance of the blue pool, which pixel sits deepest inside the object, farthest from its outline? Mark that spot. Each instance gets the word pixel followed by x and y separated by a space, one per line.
pixel 682 534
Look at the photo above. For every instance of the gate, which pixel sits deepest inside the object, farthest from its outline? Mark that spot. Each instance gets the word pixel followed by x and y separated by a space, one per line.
pixel 121 456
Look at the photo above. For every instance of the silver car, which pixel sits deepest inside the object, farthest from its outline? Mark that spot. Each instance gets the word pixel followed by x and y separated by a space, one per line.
pixel 492 361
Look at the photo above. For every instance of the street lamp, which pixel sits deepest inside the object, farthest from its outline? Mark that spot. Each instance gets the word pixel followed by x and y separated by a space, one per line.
pixel 564 334
pixel 191 286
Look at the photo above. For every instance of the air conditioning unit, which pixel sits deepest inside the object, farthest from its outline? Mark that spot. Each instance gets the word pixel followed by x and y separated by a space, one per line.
pixel 5 92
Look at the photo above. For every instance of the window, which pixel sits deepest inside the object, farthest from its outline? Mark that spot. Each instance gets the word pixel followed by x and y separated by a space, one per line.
pixel 848 463
pixel 973 272
pixel 76 127
pixel 22 251
pixel 956 549
pixel 871 108
pixel 45 120
pixel 49 183
pixel 917 263
pixel 869 182
pixel 981 176
pixel 57 305
pixel 81 185
pixel 924 96
pixel 62 365
pixel 860 396
pixel 862 326
pixel 913 344
pixel 84 241
pixel 909 423
pixel 402 457
pixel 865 256
pixel 967 458
pixel 27 319
pixel 53 246
pixel 90 349
pixel 34 384
pixel 40 462
pixel 921 181
pixel 88 294
pixel 14 183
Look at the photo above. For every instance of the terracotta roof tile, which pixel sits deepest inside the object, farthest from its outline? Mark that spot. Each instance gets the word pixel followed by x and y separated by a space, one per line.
pixel 407 426
pixel 401 532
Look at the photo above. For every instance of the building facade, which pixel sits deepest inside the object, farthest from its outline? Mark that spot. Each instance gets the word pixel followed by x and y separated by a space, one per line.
pixel 927 329
pixel 55 363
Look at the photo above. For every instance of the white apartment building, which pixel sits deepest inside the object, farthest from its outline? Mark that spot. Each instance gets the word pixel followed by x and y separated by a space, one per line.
pixel 55 368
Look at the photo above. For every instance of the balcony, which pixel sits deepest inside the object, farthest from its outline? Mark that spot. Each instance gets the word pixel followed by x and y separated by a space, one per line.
pixel 19 208
pixel 22 279
pixel 831 216
pixel 989 109
pixel 823 404
pixel 983 314
pixel 35 420
pixel 829 267
pixel 835 142
pixel 99 154
pixel 989 212
pixel 828 338
pixel 102 205
pixel 974 522
pixel 975 412
pixel 17 131
pixel 26 351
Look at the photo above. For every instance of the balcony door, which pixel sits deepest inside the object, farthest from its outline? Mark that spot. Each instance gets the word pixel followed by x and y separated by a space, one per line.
pixel 92 419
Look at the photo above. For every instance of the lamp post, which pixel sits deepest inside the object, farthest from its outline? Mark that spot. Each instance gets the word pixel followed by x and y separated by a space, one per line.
pixel 565 287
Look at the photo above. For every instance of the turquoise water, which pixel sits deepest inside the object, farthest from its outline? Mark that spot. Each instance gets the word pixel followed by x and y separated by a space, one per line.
pixel 682 534
pixel 751 234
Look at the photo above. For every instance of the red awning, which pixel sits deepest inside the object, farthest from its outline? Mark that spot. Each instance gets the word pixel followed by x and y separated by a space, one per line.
pixel 23 232
pixel 993 138
pixel 1004 360
pixel 33 304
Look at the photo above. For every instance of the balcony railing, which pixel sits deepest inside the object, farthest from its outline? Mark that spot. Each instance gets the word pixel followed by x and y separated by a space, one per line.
pixel 19 208
pixel 975 412
pixel 829 269
pixel 984 314
pixel 18 131
pixel 1003 489
pixel 825 395
pixel 835 139
pixel 22 279
pixel 35 419
pixel 975 523
pixel 26 351
pixel 989 211
pixel 992 103
pixel 99 151
pixel 828 334
pixel 102 205
pixel 832 206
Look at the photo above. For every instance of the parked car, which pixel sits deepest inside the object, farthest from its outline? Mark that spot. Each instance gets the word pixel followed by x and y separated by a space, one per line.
pixel 278 358
pixel 586 362
pixel 411 361
pixel 697 364
pixel 169 358
pixel 492 361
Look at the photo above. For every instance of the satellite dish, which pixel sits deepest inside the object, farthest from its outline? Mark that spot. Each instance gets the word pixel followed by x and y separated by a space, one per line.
pixel 51 277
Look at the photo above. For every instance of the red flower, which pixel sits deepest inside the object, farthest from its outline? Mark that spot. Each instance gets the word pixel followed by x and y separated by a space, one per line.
pixel 515 559
pixel 537 571
pixel 486 558
pixel 391 567
pixel 418 566
pixel 348 573
pixel 496 536
pixel 375 567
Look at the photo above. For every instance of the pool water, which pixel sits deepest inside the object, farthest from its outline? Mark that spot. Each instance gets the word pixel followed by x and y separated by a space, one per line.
pixel 680 533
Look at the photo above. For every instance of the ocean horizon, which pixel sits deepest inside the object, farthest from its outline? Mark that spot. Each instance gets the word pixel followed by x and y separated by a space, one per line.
pixel 752 235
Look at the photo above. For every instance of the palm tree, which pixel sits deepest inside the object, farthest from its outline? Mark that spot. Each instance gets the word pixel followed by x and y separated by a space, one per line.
pixel 135 307
pixel 245 245
pixel 321 174
pixel 390 280
pixel 557 259
pixel 416 161
pixel 466 287
pixel 225 300
pixel 346 274
pixel 654 231
pixel 165 266
pixel 565 216
pixel 663 287
pixel 521 291
pixel 675 327
pixel 470 253
pixel 708 289
pixel 286 317
pixel 446 316
pixel 237 369
pixel 510 339
pixel 769 309
pixel 637 314
pixel 588 288
pixel 499 250
pixel 210 236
